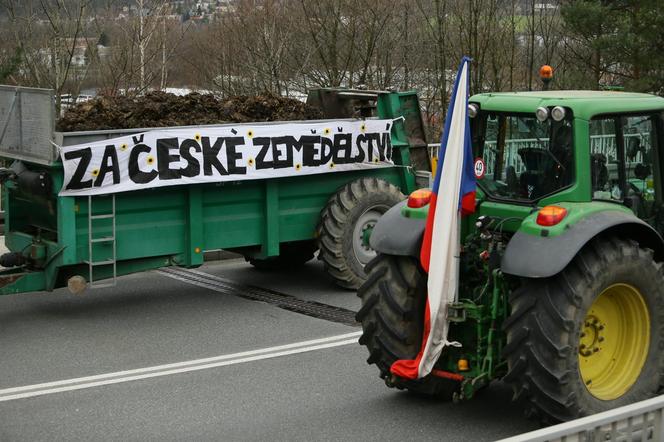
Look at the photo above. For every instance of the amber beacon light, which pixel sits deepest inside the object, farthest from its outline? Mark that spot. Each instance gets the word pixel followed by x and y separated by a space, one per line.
pixel 546 75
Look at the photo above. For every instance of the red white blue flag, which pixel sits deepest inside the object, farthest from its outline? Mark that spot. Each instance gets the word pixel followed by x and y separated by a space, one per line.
pixel 453 196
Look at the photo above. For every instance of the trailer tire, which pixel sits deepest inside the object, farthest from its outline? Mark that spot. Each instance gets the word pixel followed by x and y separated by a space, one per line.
pixel 344 221
pixel 291 255
pixel 392 318
pixel 588 339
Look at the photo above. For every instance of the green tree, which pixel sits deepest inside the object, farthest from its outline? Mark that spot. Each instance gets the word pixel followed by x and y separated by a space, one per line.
pixel 590 27
pixel 615 43
pixel 641 46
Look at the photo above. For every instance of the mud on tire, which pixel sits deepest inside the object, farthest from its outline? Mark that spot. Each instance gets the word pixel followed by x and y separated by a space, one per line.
pixel 392 313
pixel 547 321
pixel 353 209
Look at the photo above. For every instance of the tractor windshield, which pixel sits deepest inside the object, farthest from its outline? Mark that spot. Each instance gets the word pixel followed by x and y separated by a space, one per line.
pixel 523 158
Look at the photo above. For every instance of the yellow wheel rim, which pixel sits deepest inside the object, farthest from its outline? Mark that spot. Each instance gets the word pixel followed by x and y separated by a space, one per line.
pixel 614 341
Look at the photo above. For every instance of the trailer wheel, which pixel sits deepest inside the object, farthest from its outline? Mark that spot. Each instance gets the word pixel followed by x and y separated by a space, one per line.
pixel 588 339
pixel 345 225
pixel 392 312
pixel 291 255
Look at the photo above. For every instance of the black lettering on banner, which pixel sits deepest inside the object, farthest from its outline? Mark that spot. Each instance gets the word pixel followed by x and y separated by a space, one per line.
pixel 232 155
pixel 293 145
pixel 326 150
pixel 75 182
pixel 264 143
pixel 342 145
pixel 164 158
pixel 309 150
pixel 384 146
pixel 277 153
pixel 368 138
pixel 138 139
pixel 193 167
pixel 360 149
pixel 109 154
pixel 135 172
pixel 210 157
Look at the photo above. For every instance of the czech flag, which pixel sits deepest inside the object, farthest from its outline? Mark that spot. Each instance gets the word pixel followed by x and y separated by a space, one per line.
pixel 453 195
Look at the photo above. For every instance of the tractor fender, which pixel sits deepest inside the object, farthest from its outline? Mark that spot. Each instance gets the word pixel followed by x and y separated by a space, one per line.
pixel 532 256
pixel 394 234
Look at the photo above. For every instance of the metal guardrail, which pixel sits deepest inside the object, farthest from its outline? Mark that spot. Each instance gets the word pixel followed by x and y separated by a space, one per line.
pixel 642 421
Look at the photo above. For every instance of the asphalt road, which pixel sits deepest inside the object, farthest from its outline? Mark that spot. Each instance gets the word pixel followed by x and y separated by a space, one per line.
pixel 109 362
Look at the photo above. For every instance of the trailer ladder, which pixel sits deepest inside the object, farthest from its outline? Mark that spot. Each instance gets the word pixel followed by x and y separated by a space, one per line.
pixel 93 241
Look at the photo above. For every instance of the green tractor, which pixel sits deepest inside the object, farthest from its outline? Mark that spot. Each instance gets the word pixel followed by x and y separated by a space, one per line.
pixel 561 287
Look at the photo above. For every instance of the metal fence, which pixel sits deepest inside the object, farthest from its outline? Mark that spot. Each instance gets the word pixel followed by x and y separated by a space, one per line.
pixel 27 118
pixel 642 421
pixel 604 144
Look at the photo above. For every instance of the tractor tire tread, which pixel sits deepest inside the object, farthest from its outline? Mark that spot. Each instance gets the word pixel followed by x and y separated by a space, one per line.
pixel 392 315
pixel 335 221
pixel 541 329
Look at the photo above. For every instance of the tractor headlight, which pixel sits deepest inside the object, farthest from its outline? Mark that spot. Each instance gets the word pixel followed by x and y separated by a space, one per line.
pixel 558 113
pixel 473 109
pixel 542 114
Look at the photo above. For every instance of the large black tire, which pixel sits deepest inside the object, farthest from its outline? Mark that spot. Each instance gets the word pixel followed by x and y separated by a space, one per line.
pixel 349 212
pixel 392 317
pixel 550 318
pixel 291 255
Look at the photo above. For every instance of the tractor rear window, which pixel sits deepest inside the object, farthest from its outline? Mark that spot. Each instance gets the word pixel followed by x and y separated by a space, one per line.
pixel 525 159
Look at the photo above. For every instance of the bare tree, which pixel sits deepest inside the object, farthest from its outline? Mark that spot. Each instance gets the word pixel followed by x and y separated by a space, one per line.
pixel 53 38
pixel 333 38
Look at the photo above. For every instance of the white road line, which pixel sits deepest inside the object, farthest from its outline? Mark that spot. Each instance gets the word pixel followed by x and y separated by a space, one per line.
pixel 27 391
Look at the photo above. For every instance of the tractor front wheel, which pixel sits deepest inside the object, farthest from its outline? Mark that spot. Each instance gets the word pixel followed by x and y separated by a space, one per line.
pixel 392 317
pixel 588 339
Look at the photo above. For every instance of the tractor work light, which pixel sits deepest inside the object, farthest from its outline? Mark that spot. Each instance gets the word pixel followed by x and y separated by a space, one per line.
pixel 551 215
pixel 473 109
pixel 542 114
pixel 558 113
pixel 419 198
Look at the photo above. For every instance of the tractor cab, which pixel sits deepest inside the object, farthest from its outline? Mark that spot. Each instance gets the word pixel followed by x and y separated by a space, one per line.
pixel 541 148
pixel 526 158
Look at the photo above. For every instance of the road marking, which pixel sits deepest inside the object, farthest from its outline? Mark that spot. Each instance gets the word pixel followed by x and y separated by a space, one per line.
pixel 27 391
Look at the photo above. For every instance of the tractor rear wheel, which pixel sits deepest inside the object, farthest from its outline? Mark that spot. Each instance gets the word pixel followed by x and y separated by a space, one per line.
pixel 346 224
pixel 588 339
pixel 392 317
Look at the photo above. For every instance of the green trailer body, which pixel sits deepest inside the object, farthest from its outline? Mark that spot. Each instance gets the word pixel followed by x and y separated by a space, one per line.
pixel 101 237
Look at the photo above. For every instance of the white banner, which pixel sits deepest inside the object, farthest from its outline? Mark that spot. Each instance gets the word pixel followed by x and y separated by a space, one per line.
pixel 168 157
